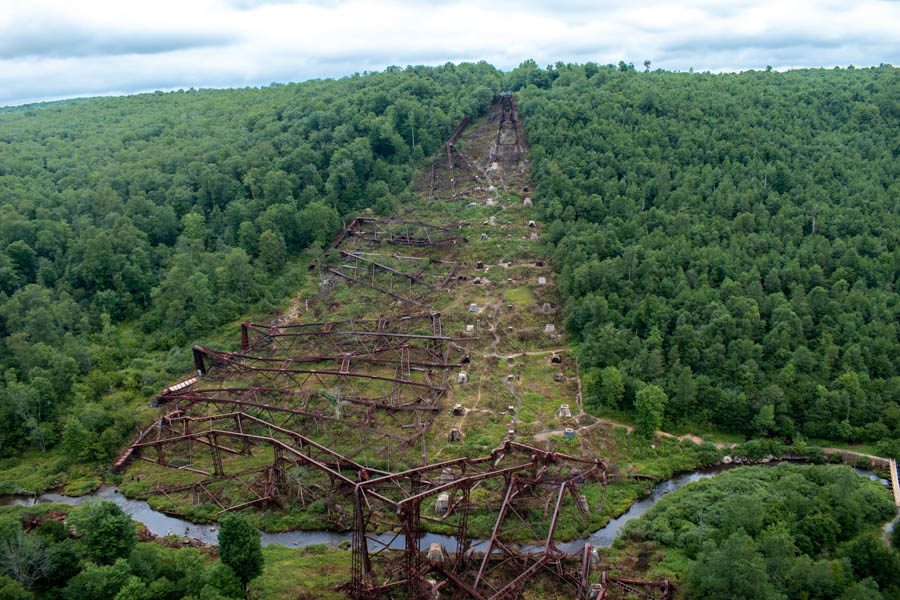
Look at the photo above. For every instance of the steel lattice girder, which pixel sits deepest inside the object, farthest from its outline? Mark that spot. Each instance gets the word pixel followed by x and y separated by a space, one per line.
pixel 372 269
pixel 509 115
pixel 406 385
pixel 406 233
pixel 179 426
pixel 397 499
pixel 443 164
pixel 300 467
pixel 380 411
pixel 394 231
pixel 423 331
pixel 411 288
pixel 356 429
pixel 636 587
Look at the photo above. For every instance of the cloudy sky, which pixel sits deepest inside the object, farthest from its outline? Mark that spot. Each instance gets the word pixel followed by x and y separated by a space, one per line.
pixel 52 49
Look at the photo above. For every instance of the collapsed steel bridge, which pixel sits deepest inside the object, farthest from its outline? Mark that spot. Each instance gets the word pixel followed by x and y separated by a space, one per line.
pixel 335 415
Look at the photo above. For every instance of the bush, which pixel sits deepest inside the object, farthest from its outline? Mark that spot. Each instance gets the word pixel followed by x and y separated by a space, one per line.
pixel 107 532
pixel 708 454
pixel 52 530
pixel 221 580
pixel 10 589
pixel 816 455
pixel 9 527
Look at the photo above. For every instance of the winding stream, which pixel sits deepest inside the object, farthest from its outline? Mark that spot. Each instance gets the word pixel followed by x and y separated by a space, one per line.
pixel 161 524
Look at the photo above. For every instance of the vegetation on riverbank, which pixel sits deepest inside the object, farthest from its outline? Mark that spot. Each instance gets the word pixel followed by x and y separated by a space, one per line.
pixel 50 562
pixel 787 531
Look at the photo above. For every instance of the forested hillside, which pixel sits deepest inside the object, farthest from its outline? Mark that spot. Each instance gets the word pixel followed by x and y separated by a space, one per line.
pixel 138 224
pixel 730 238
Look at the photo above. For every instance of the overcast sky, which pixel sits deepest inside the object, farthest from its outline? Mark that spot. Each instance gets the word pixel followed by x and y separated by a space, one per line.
pixel 51 49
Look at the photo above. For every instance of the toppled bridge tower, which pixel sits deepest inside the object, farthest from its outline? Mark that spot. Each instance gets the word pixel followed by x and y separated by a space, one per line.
pixel 339 413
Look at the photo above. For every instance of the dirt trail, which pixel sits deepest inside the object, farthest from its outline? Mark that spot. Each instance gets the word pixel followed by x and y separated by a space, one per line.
pixel 544 435
pixel 531 353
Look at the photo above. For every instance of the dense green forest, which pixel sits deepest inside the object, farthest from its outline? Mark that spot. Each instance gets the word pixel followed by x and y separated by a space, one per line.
pixel 95 554
pixel 732 239
pixel 138 224
pixel 784 532
pixel 727 246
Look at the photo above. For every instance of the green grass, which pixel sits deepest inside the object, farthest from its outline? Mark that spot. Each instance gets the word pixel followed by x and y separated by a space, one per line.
pixel 80 487
pixel 35 472
pixel 861 448
pixel 302 574
pixel 38 511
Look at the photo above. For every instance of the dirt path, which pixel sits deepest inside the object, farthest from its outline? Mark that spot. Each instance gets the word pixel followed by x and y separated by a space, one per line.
pixel 465 416
pixel 532 353
pixel 544 435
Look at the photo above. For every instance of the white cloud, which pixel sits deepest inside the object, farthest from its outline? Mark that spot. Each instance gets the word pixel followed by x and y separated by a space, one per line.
pixel 55 48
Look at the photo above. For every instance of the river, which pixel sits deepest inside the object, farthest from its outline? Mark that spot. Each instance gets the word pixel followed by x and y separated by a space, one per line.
pixel 161 524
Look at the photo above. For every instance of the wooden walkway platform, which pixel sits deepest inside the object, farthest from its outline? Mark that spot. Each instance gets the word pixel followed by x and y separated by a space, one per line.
pixel 895 483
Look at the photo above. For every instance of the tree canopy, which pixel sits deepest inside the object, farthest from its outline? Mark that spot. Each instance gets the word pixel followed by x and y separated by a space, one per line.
pixel 733 239
pixel 239 547
pixel 107 532
pixel 138 224
pixel 788 531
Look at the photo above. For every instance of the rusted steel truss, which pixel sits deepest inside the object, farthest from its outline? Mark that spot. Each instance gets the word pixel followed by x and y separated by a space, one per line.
pixel 412 287
pixel 422 329
pixel 404 233
pixel 335 414
pixel 353 426
pixel 508 145
pixel 652 590
pixel 411 279
pixel 400 232
pixel 444 171
pixel 522 479
pixel 403 383
pixel 300 470
pixel 369 389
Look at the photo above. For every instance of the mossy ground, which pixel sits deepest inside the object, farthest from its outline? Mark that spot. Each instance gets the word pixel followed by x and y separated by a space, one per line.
pixel 302 574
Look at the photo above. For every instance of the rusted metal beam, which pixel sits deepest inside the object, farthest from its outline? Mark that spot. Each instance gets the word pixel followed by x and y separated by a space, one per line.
pixel 369 402
pixel 459 130
pixel 386 268
pixel 228 358
pixel 253 502
pixel 373 286
pixel 513 586
pixel 495 531
pixel 440 226
pixel 359 356
pixel 304 413
pixel 469 164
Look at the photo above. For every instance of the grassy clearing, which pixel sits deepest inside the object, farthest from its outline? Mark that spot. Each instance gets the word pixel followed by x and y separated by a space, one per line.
pixel 307 573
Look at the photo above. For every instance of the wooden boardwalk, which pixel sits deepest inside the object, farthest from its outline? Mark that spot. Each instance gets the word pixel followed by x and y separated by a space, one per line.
pixel 895 484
